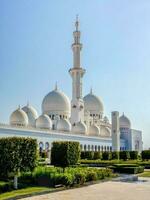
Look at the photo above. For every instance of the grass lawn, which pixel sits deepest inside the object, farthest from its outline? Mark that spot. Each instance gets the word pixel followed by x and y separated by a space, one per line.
pixel 26 191
pixel 145 174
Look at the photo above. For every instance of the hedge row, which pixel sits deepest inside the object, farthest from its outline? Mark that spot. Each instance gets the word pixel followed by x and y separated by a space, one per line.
pixel 51 177
pixel 127 169
pixel 123 155
pixel 5 187
pixel 65 153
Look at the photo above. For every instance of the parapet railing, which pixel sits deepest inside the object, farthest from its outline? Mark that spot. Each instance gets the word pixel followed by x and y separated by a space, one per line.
pixel 30 128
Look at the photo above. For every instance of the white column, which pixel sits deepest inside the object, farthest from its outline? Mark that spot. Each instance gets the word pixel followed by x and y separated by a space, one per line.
pixel 115 131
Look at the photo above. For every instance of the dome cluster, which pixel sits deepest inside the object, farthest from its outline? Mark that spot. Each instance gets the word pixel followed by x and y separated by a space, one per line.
pixel 31 113
pixel 25 116
pixel 56 112
pixel 19 118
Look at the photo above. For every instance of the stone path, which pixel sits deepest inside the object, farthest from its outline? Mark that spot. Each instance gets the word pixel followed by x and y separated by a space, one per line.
pixel 102 191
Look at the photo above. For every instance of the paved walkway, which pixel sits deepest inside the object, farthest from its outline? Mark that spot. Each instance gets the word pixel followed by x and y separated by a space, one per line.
pixel 102 191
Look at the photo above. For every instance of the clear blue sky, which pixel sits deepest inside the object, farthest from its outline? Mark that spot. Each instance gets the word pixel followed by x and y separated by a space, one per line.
pixel 35 40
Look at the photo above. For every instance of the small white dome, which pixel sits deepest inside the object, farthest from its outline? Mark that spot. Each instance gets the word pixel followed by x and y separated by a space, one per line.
pixel 94 130
pixel 56 103
pixel 63 125
pixel 31 113
pixel 19 118
pixel 44 122
pixel 106 120
pixel 93 104
pixel 124 122
pixel 79 127
pixel 105 131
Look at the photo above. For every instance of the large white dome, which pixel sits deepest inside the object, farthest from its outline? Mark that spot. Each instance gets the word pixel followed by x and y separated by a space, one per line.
pixel 93 104
pixel 80 128
pixel 19 118
pixel 44 122
pixel 31 113
pixel 56 103
pixel 124 122
pixel 63 125
pixel 94 130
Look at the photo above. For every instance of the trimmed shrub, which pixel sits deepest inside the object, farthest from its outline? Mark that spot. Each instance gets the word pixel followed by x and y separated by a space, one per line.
pixel 145 155
pixel 17 154
pixel 89 155
pixel 65 179
pixel 91 176
pixel 79 178
pixel 133 155
pixel 97 155
pixel 124 155
pixel 115 155
pixel 65 153
pixel 106 155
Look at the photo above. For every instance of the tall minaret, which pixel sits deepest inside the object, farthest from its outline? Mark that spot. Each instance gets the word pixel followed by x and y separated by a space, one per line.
pixel 77 104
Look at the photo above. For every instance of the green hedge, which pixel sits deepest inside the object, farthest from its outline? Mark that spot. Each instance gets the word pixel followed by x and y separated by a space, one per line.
pixel 53 176
pixel 115 155
pixel 128 169
pixel 97 155
pixel 5 187
pixel 106 155
pixel 89 155
pixel 65 153
pixel 17 155
pixel 105 163
pixel 145 155
pixel 133 155
pixel 124 155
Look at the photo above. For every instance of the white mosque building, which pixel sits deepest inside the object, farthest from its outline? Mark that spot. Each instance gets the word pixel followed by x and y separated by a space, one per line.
pixel 82 119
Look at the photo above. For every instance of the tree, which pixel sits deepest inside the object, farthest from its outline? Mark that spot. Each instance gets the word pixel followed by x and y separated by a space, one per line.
pixel 65 153
pixel 17 155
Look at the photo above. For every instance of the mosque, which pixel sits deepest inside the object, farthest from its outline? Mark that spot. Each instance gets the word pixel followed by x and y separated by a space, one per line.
pixel 82 119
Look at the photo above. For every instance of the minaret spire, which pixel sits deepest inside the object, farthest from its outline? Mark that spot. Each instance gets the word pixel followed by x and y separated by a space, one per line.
pixel 77 23
pixel 77 73
pixel 76 46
